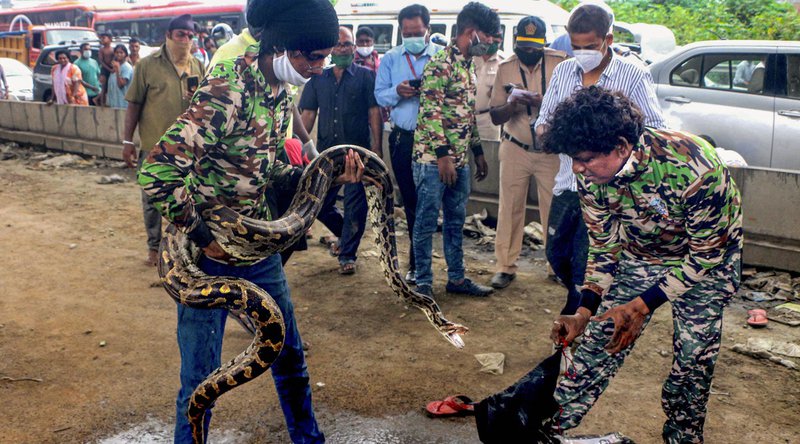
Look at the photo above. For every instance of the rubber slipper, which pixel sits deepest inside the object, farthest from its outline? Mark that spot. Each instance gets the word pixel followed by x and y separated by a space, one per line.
pixel 333 245
pixel 347 268
pixel 756 311
pixel 757 320
pixel 452 406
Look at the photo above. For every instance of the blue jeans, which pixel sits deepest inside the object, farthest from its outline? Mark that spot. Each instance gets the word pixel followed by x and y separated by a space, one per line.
pixel 348 227
pixel 200 342
pixel 568 246
pixel 432 195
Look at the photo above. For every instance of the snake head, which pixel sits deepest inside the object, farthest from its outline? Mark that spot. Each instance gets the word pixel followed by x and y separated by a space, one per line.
pixel 452 332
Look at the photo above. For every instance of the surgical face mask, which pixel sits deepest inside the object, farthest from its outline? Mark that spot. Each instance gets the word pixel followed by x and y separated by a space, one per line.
pixel 87 54
pixel 492 50
pixel 285 72
pixel 588 59
pixel 478 48
pixel 365 51
pixel 342 61
pixel 414 45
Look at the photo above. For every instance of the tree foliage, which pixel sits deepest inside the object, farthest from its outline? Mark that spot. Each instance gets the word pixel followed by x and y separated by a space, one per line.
pixel 693 20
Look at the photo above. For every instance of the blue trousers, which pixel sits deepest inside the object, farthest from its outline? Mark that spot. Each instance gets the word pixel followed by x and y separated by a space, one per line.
pixel 348 226
pixel 433 195
pixel 200 335
pixel 568 246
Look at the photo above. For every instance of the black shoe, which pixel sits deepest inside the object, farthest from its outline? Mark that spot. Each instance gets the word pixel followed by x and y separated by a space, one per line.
pixel 468 287
pixel 502 280
pixel 425 289
pixel 411 277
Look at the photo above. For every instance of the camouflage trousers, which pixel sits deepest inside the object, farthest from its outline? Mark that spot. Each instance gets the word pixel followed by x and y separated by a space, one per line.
pixel 697 322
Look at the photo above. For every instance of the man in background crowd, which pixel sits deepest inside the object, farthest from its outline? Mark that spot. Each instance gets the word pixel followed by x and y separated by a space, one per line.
pixel 446 130
pixel 106 57
pixel 90 70
pixel 366 55
pixel 348 114
pixel 134 45
pixel 485 71
pixel 159 93
pixel 398 87
pixel 517 94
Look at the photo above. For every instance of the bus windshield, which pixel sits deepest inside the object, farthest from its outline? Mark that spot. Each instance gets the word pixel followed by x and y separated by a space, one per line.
pixel 57 36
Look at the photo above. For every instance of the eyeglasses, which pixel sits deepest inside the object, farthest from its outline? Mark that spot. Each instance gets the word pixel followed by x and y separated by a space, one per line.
pixel 344 45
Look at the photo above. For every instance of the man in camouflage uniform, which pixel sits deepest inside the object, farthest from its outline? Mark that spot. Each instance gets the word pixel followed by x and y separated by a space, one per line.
pixel 446 128
pixel 223 148
pixel 665 225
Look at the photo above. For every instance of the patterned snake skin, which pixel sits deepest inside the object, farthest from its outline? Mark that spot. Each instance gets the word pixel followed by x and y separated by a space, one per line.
pixel 250 239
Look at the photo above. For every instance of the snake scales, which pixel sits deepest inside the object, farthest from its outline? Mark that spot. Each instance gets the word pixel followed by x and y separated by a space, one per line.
pixel 250 239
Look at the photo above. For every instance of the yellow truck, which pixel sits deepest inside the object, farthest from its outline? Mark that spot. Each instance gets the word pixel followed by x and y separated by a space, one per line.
pixel 25 45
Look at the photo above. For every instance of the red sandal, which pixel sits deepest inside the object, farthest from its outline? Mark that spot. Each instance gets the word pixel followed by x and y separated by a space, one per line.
pixel 452 406
pixel 758 318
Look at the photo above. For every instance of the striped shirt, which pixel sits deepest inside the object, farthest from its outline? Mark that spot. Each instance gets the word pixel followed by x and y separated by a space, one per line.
pixel 620 75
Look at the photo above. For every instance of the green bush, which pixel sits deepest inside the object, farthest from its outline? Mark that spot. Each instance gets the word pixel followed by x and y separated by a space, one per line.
pixel 693 20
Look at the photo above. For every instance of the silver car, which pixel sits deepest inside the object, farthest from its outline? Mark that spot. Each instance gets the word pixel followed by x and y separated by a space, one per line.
pixel 19 78
pixel 743 94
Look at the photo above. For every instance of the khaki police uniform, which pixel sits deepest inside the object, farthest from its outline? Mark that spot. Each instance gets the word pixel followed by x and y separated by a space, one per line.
pixel 520 160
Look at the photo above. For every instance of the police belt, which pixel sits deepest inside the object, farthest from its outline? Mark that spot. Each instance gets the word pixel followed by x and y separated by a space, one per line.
pixel 516 141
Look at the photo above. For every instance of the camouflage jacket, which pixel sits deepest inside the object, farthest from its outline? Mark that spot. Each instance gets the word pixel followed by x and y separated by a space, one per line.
pixel 222 149
pixel 446 122
pixel 673 203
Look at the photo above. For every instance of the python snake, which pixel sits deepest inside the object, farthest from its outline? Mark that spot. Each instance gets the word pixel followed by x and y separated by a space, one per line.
pixel 250 239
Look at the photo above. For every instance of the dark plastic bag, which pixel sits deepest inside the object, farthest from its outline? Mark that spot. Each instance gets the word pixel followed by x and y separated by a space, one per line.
pixel 521 412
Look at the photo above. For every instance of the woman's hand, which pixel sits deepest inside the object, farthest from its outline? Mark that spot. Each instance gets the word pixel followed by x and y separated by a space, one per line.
pixel 568 327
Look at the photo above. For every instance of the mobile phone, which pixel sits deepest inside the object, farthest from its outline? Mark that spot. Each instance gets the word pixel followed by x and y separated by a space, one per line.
pixel 192 82
pixel 415 83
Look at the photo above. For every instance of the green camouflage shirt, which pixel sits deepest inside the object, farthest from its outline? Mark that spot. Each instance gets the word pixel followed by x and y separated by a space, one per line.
pixel 222 148
pixel 673 203
pixel 446 122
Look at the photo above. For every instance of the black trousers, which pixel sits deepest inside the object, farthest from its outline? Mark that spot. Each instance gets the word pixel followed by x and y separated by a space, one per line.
pixel 568 246
pixel 401 146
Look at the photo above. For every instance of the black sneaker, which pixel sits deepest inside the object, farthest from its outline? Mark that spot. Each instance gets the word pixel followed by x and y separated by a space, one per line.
pixel 411 277
pixel 425 289
pixel 468 287
pixel 502 280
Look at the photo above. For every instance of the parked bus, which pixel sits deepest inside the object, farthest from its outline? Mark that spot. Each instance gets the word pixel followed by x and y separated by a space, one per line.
pixel 58 14
pixel 149 22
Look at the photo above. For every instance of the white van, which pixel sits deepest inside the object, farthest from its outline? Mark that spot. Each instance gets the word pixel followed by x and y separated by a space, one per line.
pixel 381 17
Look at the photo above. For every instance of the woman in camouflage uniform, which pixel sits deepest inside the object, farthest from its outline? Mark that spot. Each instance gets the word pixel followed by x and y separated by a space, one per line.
pixel 665 225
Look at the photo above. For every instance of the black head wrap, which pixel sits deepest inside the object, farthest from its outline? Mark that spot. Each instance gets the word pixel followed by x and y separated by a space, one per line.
pixel 305 25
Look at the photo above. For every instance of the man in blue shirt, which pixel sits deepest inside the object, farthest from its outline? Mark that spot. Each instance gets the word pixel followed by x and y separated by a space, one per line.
pixel 348 114
pixel 397 87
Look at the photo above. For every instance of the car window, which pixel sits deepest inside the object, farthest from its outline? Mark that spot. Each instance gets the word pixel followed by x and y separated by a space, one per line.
pixel 383 37
pixel 735 72
pixel 687 73
pixel 793 76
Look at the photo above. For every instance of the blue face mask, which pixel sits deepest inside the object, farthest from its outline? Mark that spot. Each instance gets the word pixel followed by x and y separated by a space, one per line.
pixel 414 45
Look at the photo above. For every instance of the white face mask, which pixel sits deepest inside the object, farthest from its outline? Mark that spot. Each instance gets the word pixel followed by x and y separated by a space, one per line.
pixel 588 59
pixel 365 51
pixel 87 54
pixel 285 72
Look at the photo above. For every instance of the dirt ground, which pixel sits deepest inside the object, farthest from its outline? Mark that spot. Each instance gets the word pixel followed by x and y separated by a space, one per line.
pixel 82 314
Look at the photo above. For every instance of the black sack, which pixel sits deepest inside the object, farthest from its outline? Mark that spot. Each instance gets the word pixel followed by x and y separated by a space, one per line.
pixel 519 413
